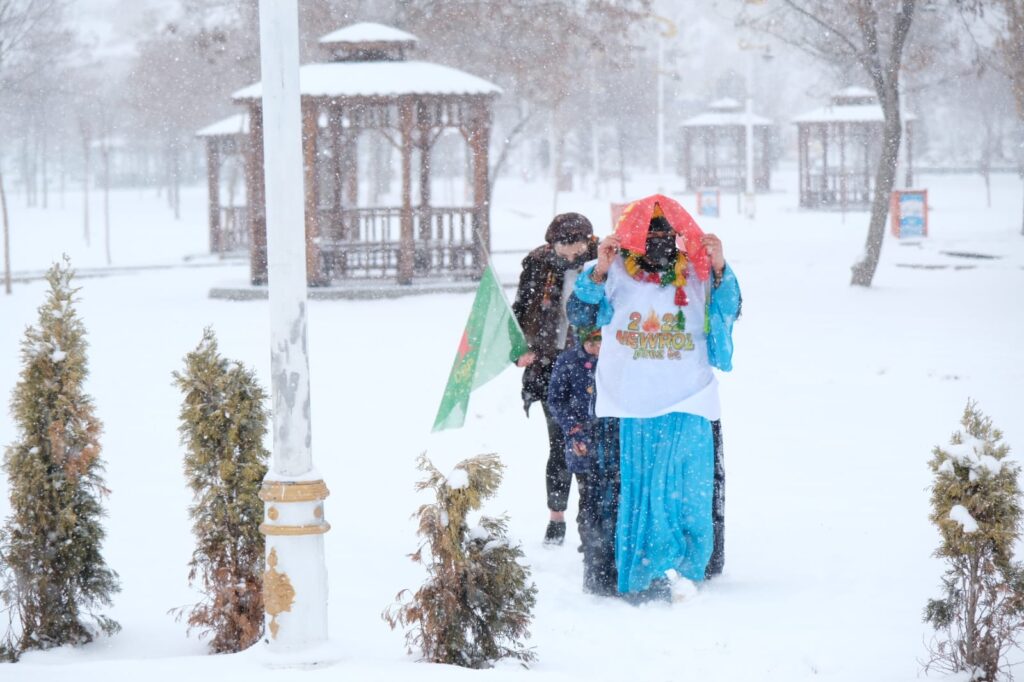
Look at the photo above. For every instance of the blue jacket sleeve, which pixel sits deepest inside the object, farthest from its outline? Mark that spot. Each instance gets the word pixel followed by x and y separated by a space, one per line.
pixel 589 291
pixel 723 311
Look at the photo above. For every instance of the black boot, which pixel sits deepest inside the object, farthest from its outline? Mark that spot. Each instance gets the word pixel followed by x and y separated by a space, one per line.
pixel 555 534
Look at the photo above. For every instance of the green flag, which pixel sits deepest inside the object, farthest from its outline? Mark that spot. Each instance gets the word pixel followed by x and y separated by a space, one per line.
pixel 491 340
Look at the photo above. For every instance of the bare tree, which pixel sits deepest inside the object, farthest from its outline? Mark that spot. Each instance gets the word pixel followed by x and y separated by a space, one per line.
pixel 184 74
pixel 22 22
pixel 7 237
pixel 27 38
pixel 867 34
pixel 536 50
pixel 1001 46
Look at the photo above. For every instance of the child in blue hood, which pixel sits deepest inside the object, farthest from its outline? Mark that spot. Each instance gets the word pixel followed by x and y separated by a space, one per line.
pixel 591 454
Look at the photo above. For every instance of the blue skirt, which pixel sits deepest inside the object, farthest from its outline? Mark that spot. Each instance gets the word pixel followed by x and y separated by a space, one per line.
pixel 667 467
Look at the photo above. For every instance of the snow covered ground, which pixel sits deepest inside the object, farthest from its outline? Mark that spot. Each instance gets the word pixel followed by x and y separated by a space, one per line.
pixel 837 397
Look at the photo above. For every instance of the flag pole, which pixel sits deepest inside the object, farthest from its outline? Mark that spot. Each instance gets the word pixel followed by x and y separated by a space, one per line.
pixel 501 286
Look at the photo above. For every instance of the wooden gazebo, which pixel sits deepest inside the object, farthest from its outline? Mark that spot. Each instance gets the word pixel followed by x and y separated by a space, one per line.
pixel 839 146
pixel 367 84
pixel 227 150
pixel 714 148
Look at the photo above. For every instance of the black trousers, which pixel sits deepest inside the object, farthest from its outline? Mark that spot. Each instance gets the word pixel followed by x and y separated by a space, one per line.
pixel 599 503
pixel 558 480
pixel 717 561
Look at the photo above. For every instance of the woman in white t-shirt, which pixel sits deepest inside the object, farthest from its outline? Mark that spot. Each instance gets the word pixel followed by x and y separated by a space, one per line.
pixel 667 302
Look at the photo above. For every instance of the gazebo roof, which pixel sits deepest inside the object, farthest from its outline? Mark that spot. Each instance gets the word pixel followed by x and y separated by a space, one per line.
pixel 849 105
pixel 855 91
pixel 232 125
pixel 724 112
pixel 367 32
pixel 848 113
pixel 380 79
pixel 723 118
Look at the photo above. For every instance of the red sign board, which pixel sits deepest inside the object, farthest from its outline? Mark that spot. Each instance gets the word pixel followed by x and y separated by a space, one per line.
pixel 908 209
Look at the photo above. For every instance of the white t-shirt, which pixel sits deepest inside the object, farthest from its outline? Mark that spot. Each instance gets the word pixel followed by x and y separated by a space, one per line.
pixel 648 365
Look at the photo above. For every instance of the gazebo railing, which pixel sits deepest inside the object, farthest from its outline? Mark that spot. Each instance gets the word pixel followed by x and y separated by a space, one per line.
pixel 233 233
pixel 827 190
pixel 366 242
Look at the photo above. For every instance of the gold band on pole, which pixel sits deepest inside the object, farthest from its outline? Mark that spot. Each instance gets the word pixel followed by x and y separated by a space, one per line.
pixel 313 529
pixel 307 491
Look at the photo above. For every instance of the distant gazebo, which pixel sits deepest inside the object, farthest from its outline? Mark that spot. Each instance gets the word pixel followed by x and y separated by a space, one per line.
pixel 227 148
pixel 714 148
pixel 839 146
pixel 368 84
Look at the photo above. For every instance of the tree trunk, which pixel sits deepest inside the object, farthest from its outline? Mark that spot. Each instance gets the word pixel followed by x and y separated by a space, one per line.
pixel 45 178
pixel 885 179
pixel 7 238
pixel 106 200
pixel 176 180
pixel 85 185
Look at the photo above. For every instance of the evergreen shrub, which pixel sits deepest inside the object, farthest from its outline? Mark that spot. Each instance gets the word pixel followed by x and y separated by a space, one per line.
pixel 223 423
pixel 55 579
pixel 976 506
pixel 476 604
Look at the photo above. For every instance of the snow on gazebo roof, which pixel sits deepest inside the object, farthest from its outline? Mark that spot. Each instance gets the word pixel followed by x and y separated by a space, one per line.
pixel 855 91
pixel 725 104
pixel 724 112
pixel 367 32
pixel 232 125
pixel 380 79
pixel 849 105
pixel 724 118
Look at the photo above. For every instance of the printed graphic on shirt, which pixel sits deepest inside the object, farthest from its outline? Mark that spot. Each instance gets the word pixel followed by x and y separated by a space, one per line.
pixel 654 337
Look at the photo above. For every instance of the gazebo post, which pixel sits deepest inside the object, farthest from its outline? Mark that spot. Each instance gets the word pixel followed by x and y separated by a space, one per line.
pixel 480 142
pixel 842 165
pixel 766 164
pixel 824 155
pixel 867 160
pixel 801 161
pixel 256 197
pixel 405 246
pixel 423 135
pixel 337 228
pixel 314 271
pixel 741 156
pixel 351 165
pixel 710 159
pixel 213 189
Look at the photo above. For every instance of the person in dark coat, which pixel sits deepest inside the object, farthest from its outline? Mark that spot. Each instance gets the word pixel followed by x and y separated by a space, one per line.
pixel 592 455
pixel 544 287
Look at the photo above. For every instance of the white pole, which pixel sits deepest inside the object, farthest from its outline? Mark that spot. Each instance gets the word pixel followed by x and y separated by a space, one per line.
pixel 295 583
pixel 749 125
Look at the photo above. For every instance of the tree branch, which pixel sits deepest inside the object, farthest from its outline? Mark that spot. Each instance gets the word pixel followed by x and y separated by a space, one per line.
pixel 823 24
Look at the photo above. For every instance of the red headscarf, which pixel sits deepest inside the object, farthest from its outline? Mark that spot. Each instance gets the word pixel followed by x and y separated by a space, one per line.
pixel 635 220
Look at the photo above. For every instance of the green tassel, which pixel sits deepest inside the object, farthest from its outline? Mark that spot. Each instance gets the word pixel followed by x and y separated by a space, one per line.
pixel 681 321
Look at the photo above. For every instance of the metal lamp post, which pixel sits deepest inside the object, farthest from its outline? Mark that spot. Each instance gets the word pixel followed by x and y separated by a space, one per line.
pixel 295 582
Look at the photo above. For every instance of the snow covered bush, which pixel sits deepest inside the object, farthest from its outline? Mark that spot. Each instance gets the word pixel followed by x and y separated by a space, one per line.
pixel 223 422
pixel 54 575
pixel 477 603
pixel 976 505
